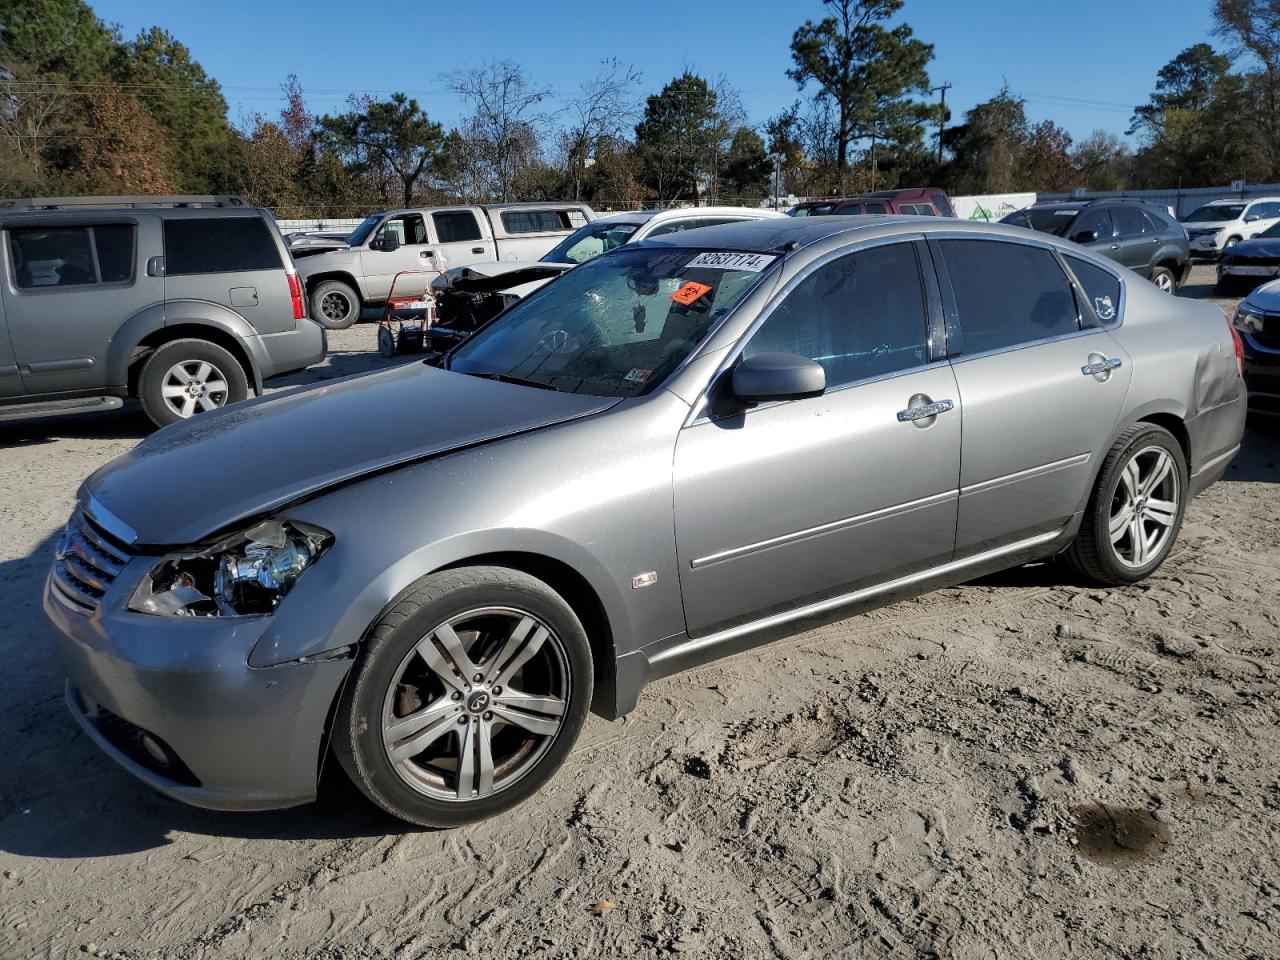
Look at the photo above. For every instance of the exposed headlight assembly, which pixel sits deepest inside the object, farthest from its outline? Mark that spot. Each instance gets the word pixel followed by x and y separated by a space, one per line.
pixel 243 575
pixel 1248 319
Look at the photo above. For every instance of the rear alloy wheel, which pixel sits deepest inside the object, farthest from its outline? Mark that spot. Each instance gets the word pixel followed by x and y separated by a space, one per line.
pixel 467 697
pixel 1135 511
pixel 334 305
pixel 1163 278
pixel 188 377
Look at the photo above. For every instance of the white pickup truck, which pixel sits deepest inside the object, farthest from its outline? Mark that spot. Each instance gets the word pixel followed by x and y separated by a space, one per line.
pixel 343 276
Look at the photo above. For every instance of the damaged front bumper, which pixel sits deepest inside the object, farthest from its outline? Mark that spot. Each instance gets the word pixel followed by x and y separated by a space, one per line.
pixel 175 702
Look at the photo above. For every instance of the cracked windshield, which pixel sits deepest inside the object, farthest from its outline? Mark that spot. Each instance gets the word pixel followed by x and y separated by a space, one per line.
pixel 614 327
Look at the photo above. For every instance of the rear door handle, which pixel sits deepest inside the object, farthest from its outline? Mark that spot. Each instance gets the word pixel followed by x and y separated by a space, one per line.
pixel 924 411
pixel 1100 366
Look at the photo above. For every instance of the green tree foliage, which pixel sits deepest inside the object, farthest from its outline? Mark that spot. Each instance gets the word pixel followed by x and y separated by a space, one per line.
pixel 187 104
pixel 1252 30
pixel 1194 129
pixel 869 72
pixel 747 168
pixel 56 39
pixel 392 135
pixel 682 138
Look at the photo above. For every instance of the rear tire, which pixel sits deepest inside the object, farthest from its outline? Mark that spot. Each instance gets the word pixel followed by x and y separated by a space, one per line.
pixel 442 726
pixel 335 305
pixel 1135 510
pixel 184 378
pixel 1163 278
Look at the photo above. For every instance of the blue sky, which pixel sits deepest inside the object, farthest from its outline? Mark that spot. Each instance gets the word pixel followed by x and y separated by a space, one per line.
pixel 1082 63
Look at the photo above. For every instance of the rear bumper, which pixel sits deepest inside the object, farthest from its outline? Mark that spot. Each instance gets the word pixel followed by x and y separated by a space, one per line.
pixel 291 350
pixel 1215 439
pixel 228 736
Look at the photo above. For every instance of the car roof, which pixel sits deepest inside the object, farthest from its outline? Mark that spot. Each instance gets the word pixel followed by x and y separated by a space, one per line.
pixel 774 234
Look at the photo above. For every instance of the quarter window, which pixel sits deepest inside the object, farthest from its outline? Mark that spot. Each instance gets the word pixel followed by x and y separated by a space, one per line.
pixel 71 256
pixel 860 316
pixel 218 245
pixel 1101 287
pixel 456 227
pixel 1008 293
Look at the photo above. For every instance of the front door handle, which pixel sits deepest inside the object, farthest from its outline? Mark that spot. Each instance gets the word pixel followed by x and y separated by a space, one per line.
pixel 922 408
pixel 1097 367
pixel 427 254
pixel 477 249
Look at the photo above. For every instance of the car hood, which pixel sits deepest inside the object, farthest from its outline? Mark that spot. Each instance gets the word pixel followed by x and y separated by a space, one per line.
pixel 1207 225
pixel 193 479
pixel 1266 297
pixel 1258 247
pixel 486 277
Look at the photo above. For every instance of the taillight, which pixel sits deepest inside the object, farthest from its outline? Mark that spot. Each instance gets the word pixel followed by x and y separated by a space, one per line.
pixel 1235 338
pixel 295 294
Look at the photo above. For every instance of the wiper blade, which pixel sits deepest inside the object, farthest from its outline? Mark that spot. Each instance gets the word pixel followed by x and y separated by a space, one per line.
pixel 519 381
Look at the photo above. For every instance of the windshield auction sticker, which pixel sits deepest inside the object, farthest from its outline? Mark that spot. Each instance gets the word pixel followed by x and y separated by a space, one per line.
pixel 747 262
pixel 690 292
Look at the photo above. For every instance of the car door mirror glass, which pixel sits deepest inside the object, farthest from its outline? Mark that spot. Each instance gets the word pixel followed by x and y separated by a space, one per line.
pixel 778 376
pixel 1086 236
pixel 388 242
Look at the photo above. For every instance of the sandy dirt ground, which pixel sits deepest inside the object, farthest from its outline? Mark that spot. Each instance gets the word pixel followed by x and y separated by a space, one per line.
pixel 1019 767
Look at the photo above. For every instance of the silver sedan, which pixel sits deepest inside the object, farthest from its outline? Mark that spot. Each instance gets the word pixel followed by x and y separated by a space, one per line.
pixel 672 453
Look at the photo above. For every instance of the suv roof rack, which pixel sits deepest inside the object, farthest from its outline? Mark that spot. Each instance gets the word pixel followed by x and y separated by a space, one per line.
pixel 72 203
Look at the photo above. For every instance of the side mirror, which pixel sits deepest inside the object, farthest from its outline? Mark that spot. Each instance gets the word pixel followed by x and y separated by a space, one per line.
pixel 388 242
pixel 778 376
pixel 1249 218
pixel 1086 236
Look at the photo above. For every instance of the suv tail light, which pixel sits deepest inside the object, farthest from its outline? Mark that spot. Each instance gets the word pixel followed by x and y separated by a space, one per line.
pixel 1235 338
pixel 300 305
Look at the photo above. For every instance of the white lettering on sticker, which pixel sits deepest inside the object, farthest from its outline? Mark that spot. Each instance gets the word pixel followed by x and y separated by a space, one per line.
pixel 746 262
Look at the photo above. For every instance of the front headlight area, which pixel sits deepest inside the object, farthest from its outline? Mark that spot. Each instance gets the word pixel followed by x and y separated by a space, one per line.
pixel 245 575
pixel 1248 319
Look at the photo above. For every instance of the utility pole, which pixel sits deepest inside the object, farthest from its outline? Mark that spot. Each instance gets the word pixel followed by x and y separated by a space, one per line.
pixel 942 115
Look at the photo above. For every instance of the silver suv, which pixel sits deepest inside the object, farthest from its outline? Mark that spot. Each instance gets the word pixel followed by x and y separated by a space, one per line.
pixel 185 303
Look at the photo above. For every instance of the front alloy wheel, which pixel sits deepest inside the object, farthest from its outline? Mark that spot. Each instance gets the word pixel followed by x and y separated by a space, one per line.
pixel 476 703
pixel 466 697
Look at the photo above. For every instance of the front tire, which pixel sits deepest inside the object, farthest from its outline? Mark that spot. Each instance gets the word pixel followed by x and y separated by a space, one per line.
pixel 335 305
pixel 1135 510
pixel 467 696
pixel 186 377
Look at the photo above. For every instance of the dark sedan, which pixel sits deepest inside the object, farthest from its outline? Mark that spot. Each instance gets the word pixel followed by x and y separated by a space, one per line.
pixel 1251 262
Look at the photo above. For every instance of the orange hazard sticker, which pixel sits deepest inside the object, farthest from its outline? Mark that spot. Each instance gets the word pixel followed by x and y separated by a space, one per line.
pixel 690 292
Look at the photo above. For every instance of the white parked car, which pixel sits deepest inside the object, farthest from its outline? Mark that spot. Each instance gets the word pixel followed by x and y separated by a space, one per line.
pixel 469 296
pixel 1220 225
pixel 344 276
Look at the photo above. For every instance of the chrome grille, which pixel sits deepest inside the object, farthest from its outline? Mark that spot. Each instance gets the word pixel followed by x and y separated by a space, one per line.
pixel 86 562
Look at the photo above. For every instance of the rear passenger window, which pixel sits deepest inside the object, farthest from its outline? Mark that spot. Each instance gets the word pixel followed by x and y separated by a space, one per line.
pixel 533 221
pixel 1008 293
pixel 65 256
pixel 877 208
pixel 860 316
pixel 673 226
pixel 1130 222
pixel 457 227
pixel 1101 287
pixel 218 245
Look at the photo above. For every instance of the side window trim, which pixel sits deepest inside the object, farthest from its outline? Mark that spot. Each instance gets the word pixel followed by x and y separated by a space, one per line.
pixel 1082 295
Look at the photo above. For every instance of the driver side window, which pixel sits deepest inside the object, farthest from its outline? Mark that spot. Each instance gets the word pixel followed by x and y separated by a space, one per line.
pixel 860 316
pixel 408 228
